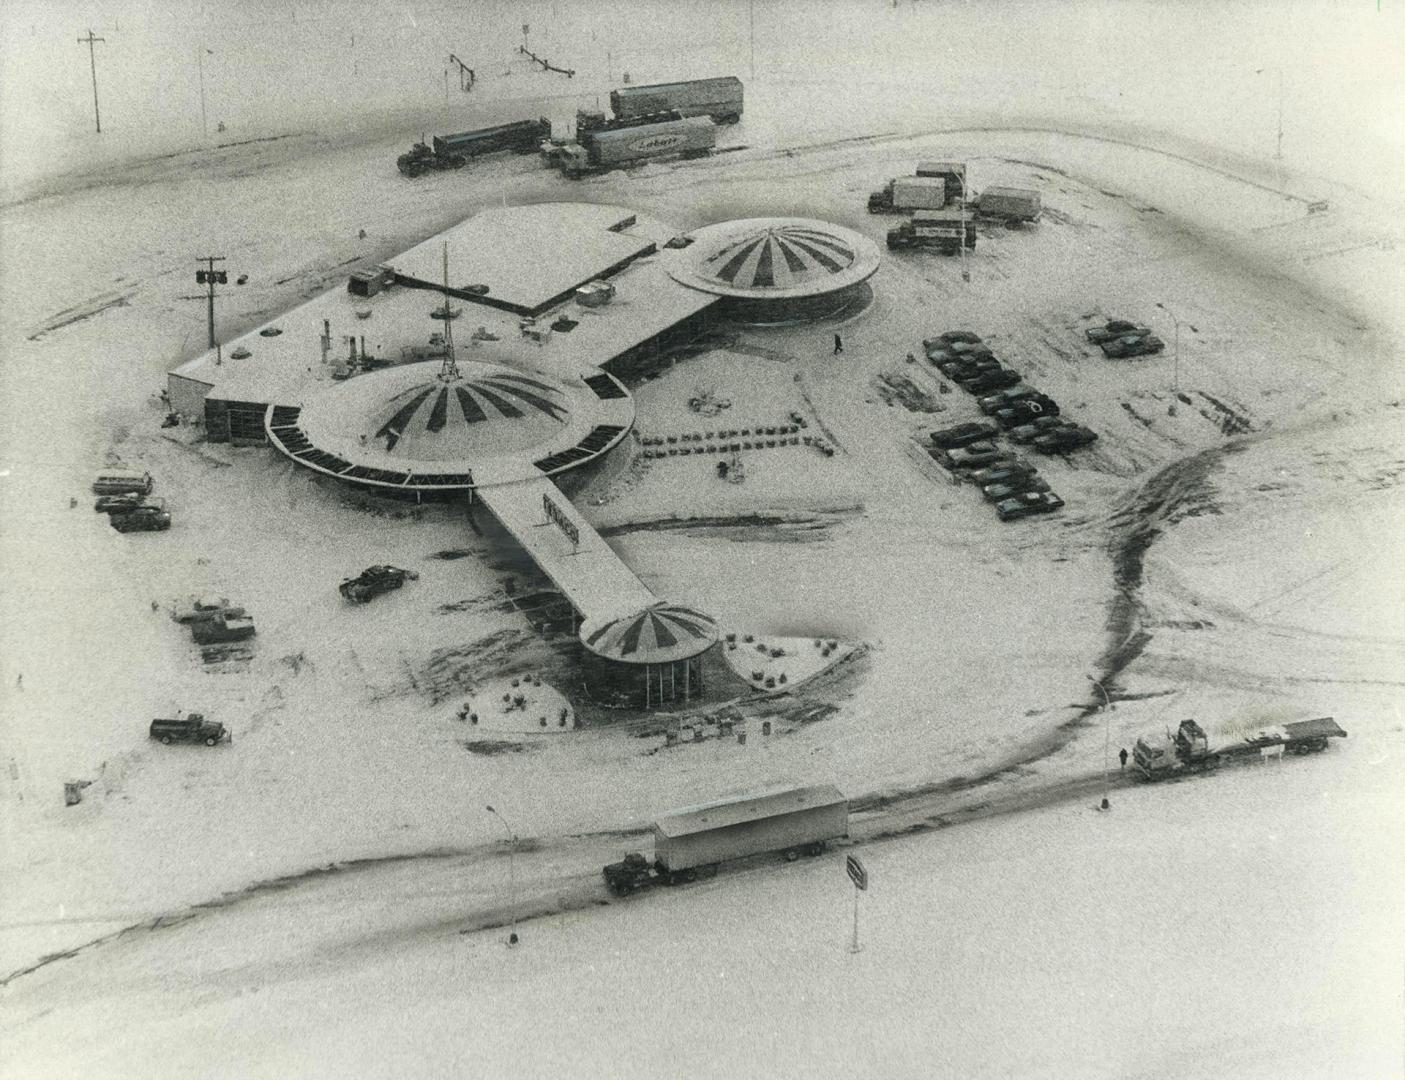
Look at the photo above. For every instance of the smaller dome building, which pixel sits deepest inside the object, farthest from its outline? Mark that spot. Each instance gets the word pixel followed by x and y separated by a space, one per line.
pixel 647 657
pixel 770 270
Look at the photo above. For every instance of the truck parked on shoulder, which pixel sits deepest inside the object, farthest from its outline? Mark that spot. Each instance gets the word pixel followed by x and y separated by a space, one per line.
pixel 610 144
pixel 1190 749
pixel 1010 205
pixel 192 728
pixel 904 194
pixel 720 99
pixel 939 229
pixel 692 843
pixel 455 151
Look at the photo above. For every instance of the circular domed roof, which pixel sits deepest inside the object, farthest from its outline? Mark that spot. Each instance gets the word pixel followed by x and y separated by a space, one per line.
pixel 483 410
pixel 778 256
pixel 764 258
pixel 656 635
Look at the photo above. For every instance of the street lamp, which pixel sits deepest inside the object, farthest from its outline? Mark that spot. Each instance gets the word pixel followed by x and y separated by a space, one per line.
pixel 511 874
pixel 1107 707
pixel 1176 349
pixel 1278 150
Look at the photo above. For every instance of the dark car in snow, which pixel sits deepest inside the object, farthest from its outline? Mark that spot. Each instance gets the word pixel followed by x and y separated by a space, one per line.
pixel 952 337
pixel 373 581
pixel 967 367
pixel 1023 410
pixel 1006 471
pixel 1040 425
pixel 963 435
pixel 1062 439
pixel 1030 502
pixel 141 519
pixel 1011 488
pixel 985 381
pixel 975 455
pixel 1122 348
pixel 989 403
pixel 1114 328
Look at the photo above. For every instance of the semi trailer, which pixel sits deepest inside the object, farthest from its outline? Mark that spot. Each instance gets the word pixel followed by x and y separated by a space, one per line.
pixel 720 99
pixel 953 172
pixel 691 844
pixel 612 145
pixel 1010 205
pixel 943 230
pixel 904 194
pixel 1190 749
pixel 455 151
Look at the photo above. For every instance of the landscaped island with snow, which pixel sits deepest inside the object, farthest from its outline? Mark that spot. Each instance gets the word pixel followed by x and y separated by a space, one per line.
pixel 954 450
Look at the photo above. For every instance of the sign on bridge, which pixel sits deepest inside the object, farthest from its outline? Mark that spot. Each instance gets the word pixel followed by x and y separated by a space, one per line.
pixel 555 514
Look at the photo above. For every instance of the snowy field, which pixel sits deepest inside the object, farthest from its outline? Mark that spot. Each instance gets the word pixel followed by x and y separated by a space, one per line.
pixel 1230 550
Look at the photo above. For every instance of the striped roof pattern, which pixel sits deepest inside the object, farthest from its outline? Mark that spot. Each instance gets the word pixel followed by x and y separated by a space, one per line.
pixel 656 635
pixel 778 257
pixel 449 409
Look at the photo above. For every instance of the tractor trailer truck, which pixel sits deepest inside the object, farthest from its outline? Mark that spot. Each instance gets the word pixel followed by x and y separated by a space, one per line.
pixel 942 230
pixel 1010 205
pixel 599 148
pixel 1190 749
pixel 904 194
pixel 720 99
pixel 454 151
pixel 692 843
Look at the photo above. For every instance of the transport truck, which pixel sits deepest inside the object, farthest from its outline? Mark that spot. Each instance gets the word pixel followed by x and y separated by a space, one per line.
pixel 938 229
pixel 455 151
pixel 1190 749
pixel 1010 205
pixel 953 172
pixel 611 145
pixel 904 194
pixel 691 844
pixel 192 728
pixel 720 99
pixel 231 624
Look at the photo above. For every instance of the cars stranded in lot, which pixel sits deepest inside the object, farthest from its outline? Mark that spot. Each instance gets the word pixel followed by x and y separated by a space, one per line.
pixel 1000 474
pixel 989 380
pixel 989 403
pixel 1031 502
pixel 1114 328
pixel 952 337
pixel 975 455
pixel 965 367
pixel 1132 345
pixel 1027 433
pixel 962 435
pixel 1025 410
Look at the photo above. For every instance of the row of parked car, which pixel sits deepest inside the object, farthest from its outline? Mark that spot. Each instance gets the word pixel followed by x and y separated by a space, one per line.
pixel 1121 340
pixel 1016 410
pixel 125 497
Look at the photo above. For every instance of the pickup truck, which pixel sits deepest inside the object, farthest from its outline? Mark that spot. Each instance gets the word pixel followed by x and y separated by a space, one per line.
pixel 192 728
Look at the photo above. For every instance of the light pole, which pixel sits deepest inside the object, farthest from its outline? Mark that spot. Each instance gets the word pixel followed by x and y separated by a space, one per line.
pixel 90 41
pixel 1107 734
pixel 1176 348
pixel 1278 148
pixel 511 874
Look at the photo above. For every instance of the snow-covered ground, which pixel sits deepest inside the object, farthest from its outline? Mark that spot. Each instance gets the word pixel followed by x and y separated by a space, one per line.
pixel 1235 926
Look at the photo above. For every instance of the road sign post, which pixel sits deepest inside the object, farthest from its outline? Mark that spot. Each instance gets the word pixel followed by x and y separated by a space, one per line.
pixel 859 876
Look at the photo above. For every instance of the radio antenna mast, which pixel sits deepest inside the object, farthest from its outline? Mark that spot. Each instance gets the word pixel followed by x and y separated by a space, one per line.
pixel 449 372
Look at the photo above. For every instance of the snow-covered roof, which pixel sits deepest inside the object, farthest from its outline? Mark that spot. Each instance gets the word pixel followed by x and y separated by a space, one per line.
pixel 721 815
pixel 775 257
pixel 657 635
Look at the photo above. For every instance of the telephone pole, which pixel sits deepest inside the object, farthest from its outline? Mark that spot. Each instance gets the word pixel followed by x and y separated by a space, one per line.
pixel 90 40
pixel 210 276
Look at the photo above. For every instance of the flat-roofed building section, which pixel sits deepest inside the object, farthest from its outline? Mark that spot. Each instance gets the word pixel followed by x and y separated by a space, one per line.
pixel 526 259
pixel 586 570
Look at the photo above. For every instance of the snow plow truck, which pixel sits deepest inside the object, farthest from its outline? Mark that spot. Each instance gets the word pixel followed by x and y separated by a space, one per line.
pixel 691 844
pixel 1190 749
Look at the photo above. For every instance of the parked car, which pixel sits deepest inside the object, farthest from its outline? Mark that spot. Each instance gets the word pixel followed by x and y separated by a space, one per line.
pixel 197 609
pixel 967 369
pixel 1023 410
pixel 999 474
pixel 1011 488
pixel 943 351
pixel 951 337
pixel 1112 329
pixel 373 581
pixel 963 435
pixel 1040 425
pixel 985 381
pixel 117 504
pixel 1064 438
pixel 1030 502
pixel 976 455
pixel 998 400
pixel 141 519
pixel 1132 345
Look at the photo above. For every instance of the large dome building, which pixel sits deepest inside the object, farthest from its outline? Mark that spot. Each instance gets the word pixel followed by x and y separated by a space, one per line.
pixel 778 269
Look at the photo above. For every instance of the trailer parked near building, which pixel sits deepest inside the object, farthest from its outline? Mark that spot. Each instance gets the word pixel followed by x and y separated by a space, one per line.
pixel 1010 205
pixel 1190 749
pixel 455 151
pixel 944 230
pixel 720 99
pixel 692 843
pixel 613 145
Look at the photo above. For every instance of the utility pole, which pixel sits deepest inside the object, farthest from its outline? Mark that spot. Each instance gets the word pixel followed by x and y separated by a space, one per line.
pixel 210 276
pixel 751 17
pixel 200 67
pixel 90 40
pixel 1107 734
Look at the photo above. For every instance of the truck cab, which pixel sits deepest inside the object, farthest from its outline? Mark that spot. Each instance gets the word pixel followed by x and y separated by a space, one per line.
pixel 192 728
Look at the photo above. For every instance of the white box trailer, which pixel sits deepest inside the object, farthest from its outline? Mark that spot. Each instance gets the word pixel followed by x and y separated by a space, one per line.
pixel 691 843
pixel 719 98
pixel 919 193
pixel 1011 204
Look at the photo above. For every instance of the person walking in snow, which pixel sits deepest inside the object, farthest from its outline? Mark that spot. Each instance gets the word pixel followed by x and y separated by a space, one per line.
pixel 838 345
pixel 1122 757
